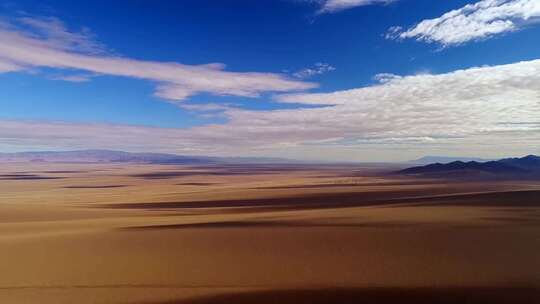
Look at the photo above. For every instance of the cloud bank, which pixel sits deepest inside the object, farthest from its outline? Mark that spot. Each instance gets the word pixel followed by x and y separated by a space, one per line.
pixel 30 43
pixel 485 111
pixel 482 20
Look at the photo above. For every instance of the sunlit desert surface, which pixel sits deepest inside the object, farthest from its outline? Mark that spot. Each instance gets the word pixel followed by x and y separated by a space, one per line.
pixel 167 234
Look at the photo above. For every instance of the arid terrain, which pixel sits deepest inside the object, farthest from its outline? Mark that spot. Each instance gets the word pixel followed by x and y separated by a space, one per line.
pixel 171 234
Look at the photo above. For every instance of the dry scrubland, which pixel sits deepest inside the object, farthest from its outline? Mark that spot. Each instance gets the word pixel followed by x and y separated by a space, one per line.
pixel 103 233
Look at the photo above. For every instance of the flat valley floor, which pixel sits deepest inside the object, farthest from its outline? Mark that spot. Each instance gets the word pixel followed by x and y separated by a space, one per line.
pixel 167 234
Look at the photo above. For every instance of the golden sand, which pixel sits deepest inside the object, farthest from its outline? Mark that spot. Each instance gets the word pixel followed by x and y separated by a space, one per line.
pixel 102 233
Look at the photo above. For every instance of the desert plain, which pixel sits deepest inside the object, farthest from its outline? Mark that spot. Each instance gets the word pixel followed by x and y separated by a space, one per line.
pixel 173 234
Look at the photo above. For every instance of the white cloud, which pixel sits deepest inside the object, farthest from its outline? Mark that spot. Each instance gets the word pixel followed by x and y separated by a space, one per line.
pixel 332 6
pixel 484 111
pixel 45 42
pixel 318 68
pixel 461 104
pixel 481 20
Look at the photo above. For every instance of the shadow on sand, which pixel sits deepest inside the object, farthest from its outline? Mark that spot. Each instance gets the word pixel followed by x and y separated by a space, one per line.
pixel 376 296
pixel 356 199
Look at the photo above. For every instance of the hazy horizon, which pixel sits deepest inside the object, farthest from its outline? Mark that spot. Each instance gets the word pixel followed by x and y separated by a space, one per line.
pixel 426 159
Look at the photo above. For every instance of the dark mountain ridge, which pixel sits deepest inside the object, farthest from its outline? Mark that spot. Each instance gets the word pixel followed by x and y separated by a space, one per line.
pixel 426 160
pixel 525 167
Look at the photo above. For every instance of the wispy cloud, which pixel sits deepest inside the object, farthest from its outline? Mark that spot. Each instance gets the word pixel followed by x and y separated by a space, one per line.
pixel 425 112
pixel 318 68
pixel 208 110
pixel 8 66
pixel 30 42
pixel 482 20
pixel 55 32
pixel 332 6
pixel 72 78
pixel 206 107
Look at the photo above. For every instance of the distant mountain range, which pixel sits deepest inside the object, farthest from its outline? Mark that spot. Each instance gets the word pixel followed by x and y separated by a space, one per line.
pixel 109 156
pixel 526 167
pixel 446 159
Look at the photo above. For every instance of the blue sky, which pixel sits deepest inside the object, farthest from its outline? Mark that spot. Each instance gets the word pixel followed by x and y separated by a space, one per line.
pixel 329 79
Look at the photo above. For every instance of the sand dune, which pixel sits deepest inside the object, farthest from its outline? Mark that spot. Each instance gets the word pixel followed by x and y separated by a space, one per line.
pixel 300 234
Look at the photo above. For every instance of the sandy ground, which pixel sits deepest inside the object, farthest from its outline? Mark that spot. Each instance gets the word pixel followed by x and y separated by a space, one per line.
pixel 102 233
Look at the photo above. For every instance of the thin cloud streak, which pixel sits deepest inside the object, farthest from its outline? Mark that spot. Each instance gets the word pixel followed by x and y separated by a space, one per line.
pixel 333 6
pixel 72 78
pixel 37 42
